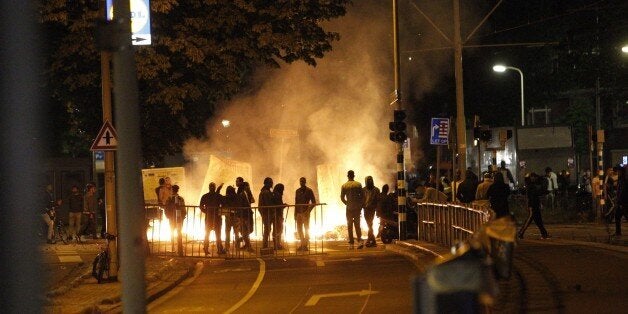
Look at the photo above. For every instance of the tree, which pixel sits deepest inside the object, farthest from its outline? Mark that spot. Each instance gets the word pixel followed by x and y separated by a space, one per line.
pixel 203 53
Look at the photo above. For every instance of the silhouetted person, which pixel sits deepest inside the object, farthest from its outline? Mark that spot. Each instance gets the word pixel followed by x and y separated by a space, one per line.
pixel 265 208
pixel 277 216
pixel 386 208
pixel 498 196
pixel 508 178
pixel 303 200
pixel 622 197
pixel 75 212
pixel 239 207
pixel 175 208
pixel 210 205
pixel 535 192
pixel 245 190
pixel 467 189
pixel 371 198
pixel 352 196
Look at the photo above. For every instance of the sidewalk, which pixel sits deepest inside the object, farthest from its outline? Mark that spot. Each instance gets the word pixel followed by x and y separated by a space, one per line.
pixel 85 295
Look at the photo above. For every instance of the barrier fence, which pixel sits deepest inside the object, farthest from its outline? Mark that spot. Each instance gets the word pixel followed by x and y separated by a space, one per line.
pixel 185 232
pixel 449 223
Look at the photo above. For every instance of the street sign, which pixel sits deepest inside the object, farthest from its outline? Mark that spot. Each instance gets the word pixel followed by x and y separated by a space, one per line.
pixel 107 138
pixel 439 131
pixel 140 21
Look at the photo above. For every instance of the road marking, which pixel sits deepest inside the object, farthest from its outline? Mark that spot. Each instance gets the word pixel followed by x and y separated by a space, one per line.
pixel 70 259
pixel 258 281
pixel 231 269
pixel 315 298
pixel 321 263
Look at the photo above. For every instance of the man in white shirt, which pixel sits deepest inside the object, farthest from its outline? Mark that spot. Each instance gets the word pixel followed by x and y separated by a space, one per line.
pixel 552 185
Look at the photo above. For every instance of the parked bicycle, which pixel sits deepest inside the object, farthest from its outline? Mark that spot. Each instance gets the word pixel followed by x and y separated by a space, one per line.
pixel 100 266
pixel 60 232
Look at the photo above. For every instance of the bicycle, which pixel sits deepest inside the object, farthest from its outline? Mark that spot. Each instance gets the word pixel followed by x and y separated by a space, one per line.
pixel 100 266
pixel 60 232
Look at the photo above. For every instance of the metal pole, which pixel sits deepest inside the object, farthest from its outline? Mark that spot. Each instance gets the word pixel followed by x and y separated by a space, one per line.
pixel 461 133
pixel 127 114
pixel 401 178
pixel 523 123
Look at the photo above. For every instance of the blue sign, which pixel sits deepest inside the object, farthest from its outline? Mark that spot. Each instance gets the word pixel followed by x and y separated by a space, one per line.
pixel 439 131
pixel 140 21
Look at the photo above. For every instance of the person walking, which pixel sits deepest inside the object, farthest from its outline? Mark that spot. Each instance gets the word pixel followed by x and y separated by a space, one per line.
pixel 534 191
pixel 371 200
pixel 497 195
pixel 352 196
pixel 465 192
pixel 210 205
pixel 304 201
pixel 75 212
pixel 265 209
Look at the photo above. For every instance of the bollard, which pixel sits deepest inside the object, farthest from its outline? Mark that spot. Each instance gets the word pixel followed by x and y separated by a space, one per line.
pixel 460 283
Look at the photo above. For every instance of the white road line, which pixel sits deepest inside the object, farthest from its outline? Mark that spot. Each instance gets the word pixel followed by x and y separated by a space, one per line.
pixel 258 281
pixel 316 297
pixel 367 300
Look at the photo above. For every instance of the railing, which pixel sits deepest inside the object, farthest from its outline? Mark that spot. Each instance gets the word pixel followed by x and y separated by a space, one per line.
pixel 449 223
pixel 185 234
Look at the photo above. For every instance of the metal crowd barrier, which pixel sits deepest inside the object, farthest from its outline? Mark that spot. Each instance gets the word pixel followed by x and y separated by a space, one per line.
pixel 183 234
pixel 449 223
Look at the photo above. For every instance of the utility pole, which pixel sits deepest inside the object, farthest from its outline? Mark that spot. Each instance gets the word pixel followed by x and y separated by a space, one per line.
pixel 461 127
pixel 401 177
pixel 110 174
pixel 131 203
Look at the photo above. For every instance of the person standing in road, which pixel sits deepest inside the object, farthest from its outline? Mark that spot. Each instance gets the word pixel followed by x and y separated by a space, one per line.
pixel 465 192
pixel 552 186
pixel 497 195
pixel 534 192
pixel 303 204
pixel 165 191
pixel 239 207
pixel 162 182
pixel 508 178
pixel 90 208
pixel 75 212
pixel 277 216
pixel 265 208
pixel 48 213
pixel 175 206
pixel 244 189
pixel 371 199
pixel 352 196
pixel 210 205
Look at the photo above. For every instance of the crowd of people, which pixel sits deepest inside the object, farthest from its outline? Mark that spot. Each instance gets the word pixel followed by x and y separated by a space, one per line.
pixel 83 209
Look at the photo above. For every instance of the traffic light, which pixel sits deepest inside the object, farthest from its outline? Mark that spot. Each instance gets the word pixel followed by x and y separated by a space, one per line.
pixel 398 127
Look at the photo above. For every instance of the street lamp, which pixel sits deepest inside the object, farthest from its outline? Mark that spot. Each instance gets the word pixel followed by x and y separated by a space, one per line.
pixel 225 123
pixel 502 68
pixel 624 49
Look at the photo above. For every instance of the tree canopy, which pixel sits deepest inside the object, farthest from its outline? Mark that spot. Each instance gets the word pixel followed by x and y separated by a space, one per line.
pixel 203 52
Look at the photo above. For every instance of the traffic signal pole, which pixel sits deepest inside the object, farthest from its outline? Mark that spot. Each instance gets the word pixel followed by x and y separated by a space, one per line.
pixel 401 178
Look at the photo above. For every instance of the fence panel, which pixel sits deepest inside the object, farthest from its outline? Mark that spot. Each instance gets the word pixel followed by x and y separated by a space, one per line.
pixel 449 223
pixel 240 235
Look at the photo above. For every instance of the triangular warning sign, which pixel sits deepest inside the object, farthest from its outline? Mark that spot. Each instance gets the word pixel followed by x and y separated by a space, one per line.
pixel 107 138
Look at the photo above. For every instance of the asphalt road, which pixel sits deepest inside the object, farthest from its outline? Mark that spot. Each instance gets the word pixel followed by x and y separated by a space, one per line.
pixel 341 280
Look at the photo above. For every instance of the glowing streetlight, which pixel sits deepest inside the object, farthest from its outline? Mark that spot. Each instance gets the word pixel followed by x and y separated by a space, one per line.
pixel 624 49
pixel 226 123
pixel 502 68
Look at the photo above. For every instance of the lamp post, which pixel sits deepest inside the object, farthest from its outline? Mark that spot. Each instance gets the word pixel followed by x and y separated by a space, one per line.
pixel 502 68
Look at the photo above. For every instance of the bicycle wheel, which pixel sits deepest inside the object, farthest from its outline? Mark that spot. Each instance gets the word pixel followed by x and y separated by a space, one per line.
pixel 103 267
pixel 62 234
